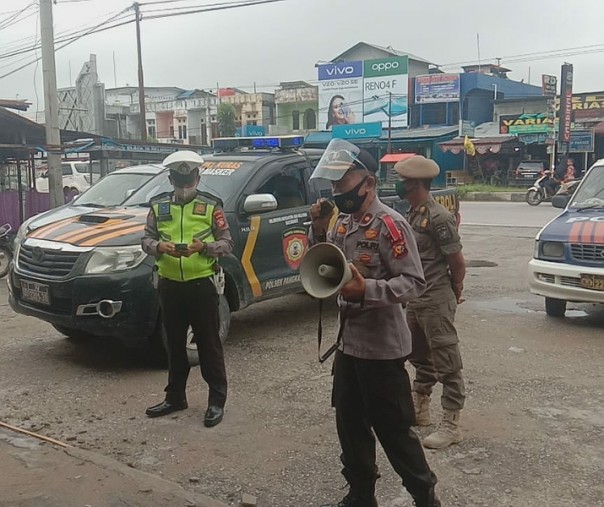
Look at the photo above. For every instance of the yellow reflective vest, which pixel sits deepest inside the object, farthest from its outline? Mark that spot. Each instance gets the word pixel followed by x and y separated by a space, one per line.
pixel 180 223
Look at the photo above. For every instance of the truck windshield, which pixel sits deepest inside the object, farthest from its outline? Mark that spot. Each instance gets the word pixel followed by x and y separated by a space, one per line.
pixel 220 178
pixel 112 190
pixel 591 192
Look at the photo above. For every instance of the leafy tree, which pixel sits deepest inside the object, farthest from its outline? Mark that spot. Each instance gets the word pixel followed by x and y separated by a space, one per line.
pixel 226 120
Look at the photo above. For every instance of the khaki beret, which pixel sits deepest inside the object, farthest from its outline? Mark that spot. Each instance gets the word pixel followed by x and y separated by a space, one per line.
pixel 417 167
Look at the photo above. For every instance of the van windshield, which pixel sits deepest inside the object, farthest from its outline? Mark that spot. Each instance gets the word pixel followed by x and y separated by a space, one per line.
pixel 591 192
pixel 221 178
pixel 112 190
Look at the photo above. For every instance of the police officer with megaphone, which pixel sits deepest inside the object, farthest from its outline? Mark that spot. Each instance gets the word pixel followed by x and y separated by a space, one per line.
pixel 371 389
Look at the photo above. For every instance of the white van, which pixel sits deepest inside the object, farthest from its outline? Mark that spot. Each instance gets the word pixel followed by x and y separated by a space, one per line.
pixel 78 175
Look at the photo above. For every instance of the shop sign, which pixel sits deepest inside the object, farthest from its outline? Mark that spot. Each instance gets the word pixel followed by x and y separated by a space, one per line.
pixel 511 124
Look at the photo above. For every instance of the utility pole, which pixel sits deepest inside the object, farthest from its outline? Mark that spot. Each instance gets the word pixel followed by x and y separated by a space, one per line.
pixel 389 122
pixel 141 82
pixel 51 106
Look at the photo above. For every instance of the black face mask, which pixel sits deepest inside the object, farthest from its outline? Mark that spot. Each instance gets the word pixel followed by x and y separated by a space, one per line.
pixel 402 189
pixel 350 202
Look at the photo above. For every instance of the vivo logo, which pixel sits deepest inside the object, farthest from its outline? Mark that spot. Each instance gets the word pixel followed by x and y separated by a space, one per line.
pixel 340 71
pixel 355 132
pixel 382 67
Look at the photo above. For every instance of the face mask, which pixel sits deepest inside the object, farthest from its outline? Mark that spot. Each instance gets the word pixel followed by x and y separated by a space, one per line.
pixel 402 189
pixel 350 202
pixel 185 194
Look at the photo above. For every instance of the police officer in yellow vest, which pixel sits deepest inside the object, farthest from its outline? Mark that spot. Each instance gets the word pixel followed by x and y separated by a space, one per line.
pixel 436 354
pixel 187 232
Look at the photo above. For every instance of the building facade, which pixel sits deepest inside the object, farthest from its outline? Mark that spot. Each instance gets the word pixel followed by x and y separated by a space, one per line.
pixel 252 109
pixel 297 107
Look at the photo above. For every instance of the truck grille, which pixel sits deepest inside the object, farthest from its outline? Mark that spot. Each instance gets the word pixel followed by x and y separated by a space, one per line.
pixel 590 253
pixel 43 261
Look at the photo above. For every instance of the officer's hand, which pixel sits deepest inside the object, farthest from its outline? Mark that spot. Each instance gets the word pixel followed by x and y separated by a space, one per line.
pixel 196 247
pixel 458 290
pixel 355 289
pixel 167 247
pixel 319 224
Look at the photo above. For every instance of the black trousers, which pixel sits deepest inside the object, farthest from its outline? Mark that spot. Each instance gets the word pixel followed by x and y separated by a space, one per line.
pixel 194 304
pixel 376 394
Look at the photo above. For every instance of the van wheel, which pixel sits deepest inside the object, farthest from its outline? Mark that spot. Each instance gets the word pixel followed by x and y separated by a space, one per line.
pixel 555 307
pixel 158 340
pixel 72 334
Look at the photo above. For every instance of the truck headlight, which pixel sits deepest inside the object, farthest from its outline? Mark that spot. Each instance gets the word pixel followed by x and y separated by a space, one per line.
pixel 552 249
pixel 111 259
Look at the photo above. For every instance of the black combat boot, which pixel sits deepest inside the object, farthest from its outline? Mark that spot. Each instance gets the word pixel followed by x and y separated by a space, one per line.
pixel 354 500
pixel 427 499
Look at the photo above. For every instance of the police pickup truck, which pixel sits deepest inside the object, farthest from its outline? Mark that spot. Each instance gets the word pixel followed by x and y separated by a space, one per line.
pixel 87 275
pixel 568 263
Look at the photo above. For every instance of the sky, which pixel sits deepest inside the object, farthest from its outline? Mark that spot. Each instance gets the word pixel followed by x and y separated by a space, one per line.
pixel 268 44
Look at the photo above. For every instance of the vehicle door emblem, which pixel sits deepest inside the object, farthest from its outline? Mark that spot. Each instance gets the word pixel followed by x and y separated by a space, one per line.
pixel 37 254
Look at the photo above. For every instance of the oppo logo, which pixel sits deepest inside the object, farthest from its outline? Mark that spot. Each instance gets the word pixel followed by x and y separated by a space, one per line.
pixel 355 132
pixel 340 71
pixel 382 67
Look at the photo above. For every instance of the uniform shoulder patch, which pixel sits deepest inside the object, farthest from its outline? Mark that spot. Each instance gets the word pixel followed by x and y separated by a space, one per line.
pixel 443 232
pixel 219 218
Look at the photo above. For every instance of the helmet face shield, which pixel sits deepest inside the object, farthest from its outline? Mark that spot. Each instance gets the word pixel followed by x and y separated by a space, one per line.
pixel 339 157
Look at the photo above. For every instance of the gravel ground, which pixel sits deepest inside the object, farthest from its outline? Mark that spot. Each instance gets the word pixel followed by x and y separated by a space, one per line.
pixel 533 423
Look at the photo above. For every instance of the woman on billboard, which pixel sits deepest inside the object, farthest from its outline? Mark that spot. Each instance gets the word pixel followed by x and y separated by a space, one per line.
pixel 339 112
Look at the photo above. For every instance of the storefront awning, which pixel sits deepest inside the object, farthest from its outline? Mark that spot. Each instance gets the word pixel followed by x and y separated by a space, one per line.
pixel 393 158
pixel 483 145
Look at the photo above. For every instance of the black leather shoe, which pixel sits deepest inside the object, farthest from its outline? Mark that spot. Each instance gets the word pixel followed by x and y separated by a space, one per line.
pixel 352 500
pixel 214 415
pixel 165 408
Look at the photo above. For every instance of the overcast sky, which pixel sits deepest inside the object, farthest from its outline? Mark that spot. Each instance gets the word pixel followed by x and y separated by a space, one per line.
pixel 277 42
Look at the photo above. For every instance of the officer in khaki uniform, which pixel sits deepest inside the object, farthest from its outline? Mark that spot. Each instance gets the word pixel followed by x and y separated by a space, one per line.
pixel 371 388
pixel 187 232
pixel 436 356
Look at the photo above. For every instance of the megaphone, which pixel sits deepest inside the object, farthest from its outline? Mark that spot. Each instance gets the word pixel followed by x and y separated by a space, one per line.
pixel 324 270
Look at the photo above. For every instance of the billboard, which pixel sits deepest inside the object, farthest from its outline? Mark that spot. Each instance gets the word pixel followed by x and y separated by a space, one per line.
pixel 525 123
pixel 358 131
pixel 581 140
pixel 385 91
pixel 364 92
pixel 437 88
pixel 340 94
pixel 566 103
pixel 549 85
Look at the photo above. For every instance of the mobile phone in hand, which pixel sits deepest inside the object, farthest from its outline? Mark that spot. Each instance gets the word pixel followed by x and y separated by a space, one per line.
pixel 181 247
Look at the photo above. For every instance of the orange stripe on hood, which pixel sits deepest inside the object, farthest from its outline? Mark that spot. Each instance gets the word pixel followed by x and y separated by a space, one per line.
pixel 575 232
pixel 113 234
pixel 587 231
pixel 599 234
pixel 45 230
pixel 74 236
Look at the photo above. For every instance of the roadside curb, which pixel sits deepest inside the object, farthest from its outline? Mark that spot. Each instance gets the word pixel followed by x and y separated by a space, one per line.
pixel 54 474
pixel 494 196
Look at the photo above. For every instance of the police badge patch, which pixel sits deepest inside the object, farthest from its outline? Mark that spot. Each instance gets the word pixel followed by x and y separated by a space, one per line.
pixel 200 208
pixel 443 232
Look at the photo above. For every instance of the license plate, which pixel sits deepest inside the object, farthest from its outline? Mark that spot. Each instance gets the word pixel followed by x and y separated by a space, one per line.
pixel 35 292
pixel 593 282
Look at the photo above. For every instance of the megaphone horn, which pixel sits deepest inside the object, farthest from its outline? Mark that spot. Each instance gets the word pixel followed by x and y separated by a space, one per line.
pixel 324 270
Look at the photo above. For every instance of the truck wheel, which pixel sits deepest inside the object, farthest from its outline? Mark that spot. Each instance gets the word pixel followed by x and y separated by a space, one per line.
pixel 73 334
pixel 533 197
pixel 555 307
pixel 158 339
pixel 224 316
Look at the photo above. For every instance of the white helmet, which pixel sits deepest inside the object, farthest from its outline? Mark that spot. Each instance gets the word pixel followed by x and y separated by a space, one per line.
pixel 183 161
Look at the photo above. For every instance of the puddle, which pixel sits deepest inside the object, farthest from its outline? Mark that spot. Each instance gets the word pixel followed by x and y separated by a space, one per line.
pixel 523 307
pixel 480 264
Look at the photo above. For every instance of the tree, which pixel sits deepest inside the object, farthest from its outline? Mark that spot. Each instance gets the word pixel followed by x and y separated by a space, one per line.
pixel 226 119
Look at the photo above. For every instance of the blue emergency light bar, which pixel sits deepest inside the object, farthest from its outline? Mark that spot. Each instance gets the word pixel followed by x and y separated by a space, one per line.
pixel 258 143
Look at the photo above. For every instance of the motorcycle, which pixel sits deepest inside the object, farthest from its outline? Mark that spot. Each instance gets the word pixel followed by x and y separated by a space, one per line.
pixel 6 248
pixel 540 192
